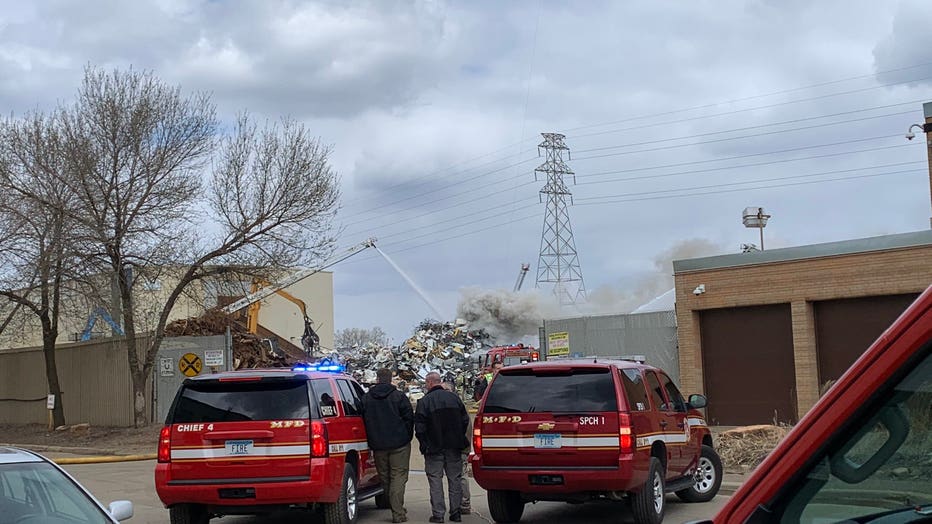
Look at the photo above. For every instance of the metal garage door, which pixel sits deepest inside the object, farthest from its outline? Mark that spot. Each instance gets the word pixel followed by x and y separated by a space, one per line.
pixel 747 364
pixel 846 328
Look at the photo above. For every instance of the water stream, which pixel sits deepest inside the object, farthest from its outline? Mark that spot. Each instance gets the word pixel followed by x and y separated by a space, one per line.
pixel 411 283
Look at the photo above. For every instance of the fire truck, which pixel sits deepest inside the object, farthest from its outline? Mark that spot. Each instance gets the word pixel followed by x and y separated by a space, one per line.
pixel 509 356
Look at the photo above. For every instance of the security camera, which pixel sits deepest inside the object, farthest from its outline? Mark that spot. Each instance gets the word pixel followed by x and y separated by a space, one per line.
pixel 700 289
pixel 910 135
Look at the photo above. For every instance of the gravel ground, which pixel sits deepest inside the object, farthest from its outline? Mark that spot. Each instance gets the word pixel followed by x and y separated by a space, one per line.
pixel 122 441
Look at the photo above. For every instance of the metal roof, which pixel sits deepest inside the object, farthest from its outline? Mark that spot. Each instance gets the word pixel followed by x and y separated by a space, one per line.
pixel 844 247
pixel 17 456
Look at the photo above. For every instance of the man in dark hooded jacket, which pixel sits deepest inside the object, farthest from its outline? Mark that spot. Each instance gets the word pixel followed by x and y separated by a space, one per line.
pixel 389 427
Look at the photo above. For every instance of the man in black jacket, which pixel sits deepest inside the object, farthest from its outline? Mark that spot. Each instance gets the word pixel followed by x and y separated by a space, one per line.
pixel 389 425
pixel 440 424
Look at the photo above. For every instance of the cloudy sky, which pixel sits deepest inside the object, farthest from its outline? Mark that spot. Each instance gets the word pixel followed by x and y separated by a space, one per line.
pixel 679 114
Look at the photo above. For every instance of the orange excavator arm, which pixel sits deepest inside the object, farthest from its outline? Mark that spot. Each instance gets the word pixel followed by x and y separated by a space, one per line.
pixel 309 339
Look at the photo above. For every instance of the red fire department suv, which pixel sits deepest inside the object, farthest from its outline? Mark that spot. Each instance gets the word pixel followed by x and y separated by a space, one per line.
pixel 576 430
pixel 256 441
pixel 863 453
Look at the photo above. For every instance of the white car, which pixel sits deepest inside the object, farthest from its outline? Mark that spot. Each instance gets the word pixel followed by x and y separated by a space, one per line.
pixel 34 490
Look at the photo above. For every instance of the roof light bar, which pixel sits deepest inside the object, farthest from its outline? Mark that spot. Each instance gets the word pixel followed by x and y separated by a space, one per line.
pixel 328 368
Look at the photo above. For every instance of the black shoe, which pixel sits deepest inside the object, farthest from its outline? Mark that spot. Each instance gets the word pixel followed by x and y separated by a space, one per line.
pixel 435 519
pixel 400 519
pixel 455 517
pixel 465 511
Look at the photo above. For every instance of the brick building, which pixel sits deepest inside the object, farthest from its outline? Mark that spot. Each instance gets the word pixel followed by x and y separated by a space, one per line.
pixel 760 333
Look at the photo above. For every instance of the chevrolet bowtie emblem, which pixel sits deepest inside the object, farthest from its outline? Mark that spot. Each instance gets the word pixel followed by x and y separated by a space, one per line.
pixel 546 426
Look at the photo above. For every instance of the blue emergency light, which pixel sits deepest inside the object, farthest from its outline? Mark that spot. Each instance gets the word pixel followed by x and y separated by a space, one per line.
pixel 329 368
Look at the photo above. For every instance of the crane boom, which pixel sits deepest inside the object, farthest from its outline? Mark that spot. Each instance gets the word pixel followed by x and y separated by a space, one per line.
pixel 252 298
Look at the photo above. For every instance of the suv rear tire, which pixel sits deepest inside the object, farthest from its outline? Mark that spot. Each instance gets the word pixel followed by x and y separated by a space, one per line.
pixel 345 510
pixel 188 514
pixel 505 506
pixel 708 478
pixel 648 505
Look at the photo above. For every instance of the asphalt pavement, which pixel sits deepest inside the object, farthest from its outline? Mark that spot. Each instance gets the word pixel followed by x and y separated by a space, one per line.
pixel 134 481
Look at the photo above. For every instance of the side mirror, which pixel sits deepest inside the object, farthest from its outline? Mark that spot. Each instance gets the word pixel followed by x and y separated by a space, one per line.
pixel 697 401
pixel 121 510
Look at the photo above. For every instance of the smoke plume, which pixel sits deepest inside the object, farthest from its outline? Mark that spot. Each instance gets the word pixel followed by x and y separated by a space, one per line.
pixel 505 315
pixel 510 317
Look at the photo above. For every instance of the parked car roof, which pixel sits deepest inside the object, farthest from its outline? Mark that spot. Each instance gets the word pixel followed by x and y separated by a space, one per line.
pixel 15 456
pixel 577 362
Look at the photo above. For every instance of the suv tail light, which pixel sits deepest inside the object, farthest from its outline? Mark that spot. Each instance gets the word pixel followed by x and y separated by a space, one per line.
pixel 625 435
pixel 535 356
pixel 165 444
pixel 320 447
pixel 477 437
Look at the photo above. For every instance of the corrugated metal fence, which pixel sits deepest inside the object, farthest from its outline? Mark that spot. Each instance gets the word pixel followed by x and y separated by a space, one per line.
pixel 95 381
pixel 650 334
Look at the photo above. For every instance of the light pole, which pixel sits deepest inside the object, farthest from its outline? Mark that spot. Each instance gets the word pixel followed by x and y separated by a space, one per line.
pixel 755 217
pixel 927 129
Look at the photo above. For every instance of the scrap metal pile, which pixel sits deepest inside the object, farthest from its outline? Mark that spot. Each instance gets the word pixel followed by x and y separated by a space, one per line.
pixel 249 350
pixel 446 347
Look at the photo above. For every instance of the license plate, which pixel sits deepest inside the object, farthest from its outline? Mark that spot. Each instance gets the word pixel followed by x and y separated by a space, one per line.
pixel 548 440
pixel 239 447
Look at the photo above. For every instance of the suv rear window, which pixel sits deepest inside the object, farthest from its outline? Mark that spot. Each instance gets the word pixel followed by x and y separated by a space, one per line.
pixel 214 401
pixel 583 389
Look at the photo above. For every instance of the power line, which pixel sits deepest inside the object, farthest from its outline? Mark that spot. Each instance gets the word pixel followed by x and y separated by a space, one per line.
pixel 441 171
pixel 485 197
pixel 748 128
pixel 736 111
pixel 728 139
pixel 726 184
pixel 736 157
pixel 740 166
pixel 435 190
pixel 752 97
pixel 473 231
pixel 808 182
pixel 503 213
pixel 361 215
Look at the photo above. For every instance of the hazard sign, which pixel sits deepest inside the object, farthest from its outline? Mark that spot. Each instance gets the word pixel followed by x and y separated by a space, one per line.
pixel 190 365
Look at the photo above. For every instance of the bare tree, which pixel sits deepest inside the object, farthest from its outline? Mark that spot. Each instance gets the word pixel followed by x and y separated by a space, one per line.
pixel 139 151
pixel 350 337
pixel 38 256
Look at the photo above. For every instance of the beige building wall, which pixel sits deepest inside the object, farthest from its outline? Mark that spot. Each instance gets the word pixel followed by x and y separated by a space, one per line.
pixel 284 318
pixel 25 331
pixel 799 283
pixel 276 314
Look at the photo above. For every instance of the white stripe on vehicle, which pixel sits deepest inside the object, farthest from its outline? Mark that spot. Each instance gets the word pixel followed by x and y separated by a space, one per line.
pixel 257 451
pixel 669 438
pixel 696 421
pixel 566 441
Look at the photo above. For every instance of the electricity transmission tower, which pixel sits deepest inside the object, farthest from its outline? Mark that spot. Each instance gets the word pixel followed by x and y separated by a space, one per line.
pixel 558 263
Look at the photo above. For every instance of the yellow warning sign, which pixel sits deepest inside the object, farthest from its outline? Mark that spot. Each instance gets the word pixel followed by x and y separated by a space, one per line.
pixel 558 344
pixel 190 365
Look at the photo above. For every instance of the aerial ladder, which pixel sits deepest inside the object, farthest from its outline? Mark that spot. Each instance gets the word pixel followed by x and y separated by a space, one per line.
pixel 521 274
pixel 262 289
